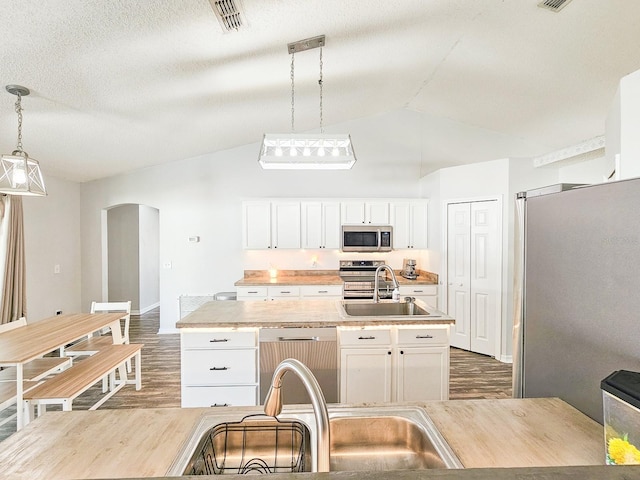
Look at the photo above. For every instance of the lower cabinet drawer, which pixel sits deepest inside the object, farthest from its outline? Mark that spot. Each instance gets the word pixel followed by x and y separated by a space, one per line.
pixel 423 336
pixel 239 396
pixel 220 339
pixel 365 338
pixel 219 367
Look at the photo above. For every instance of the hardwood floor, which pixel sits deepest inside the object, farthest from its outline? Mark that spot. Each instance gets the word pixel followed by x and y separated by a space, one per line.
pixel 472 375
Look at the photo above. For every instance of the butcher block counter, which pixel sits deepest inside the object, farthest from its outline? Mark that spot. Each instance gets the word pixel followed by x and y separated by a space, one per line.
pixel 138 443
pixel 254 278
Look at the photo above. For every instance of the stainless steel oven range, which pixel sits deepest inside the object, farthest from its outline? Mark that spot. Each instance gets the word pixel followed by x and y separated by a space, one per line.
pixel 359 279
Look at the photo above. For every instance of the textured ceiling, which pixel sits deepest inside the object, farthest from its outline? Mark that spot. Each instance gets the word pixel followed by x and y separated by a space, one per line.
pixel 118 85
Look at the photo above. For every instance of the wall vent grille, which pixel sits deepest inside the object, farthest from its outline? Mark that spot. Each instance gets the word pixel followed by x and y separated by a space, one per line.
pixel 553 5
pixel 229 14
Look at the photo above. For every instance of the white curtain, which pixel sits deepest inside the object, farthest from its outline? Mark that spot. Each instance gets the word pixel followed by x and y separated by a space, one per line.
pixel 12 260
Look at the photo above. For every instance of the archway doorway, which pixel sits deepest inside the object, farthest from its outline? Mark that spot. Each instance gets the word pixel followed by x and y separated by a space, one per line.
pixel 133 256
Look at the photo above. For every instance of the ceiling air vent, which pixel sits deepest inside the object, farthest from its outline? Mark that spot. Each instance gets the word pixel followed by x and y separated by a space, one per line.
pixel 553 5
pixel 229 14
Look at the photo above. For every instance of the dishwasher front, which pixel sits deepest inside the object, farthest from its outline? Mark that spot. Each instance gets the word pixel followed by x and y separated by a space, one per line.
pixel 315 347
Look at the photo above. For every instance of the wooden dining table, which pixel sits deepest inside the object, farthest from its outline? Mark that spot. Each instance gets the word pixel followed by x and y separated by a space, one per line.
pixel 23 344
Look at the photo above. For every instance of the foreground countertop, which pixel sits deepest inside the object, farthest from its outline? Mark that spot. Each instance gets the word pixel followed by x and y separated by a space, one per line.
pixel 138 443
pixel 290 313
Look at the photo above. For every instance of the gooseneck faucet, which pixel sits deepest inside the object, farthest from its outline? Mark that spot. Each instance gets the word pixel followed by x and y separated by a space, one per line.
pixel 376 283
pixel 273 405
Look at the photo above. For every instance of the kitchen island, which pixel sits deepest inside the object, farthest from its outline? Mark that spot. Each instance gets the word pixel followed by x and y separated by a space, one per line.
pixel 375 358
pixel 484 434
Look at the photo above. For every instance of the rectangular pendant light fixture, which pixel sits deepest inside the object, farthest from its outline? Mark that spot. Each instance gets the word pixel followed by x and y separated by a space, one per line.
pixel 307 152
pixel 21 175
pixel 295 151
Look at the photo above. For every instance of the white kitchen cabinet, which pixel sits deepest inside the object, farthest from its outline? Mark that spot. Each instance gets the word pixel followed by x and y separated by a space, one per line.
pixel 219 367
pixel 365 375
pixel 283 292
pixel 368 212
pixel 269 225
pixel 252 293
pixel 409 220
pixel 394 365
pixel 422 363
pixel 427 293
pixel 474 274
pixel 320 225
pixel 321 292
pixel 285 224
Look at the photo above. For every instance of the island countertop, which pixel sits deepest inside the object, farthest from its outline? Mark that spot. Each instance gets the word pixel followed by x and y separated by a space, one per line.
pixel 137 443
pixel 291 313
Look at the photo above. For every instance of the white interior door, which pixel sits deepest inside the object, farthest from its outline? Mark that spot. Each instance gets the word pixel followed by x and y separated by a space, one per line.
pixel 459 272
pixel 484 276
pixel 473 274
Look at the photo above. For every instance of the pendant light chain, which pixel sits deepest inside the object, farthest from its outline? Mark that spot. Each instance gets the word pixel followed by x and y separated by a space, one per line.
pixel 320 83
pixel 19 112
pixel 292 95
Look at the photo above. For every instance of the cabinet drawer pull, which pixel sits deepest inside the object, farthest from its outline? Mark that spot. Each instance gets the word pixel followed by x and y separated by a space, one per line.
pixel 298 339
pixel 221 405
pixel 367 338
pixel 323 291
pixel 285 291
pixel 418 291
pixel 218 369
pixel 252 291
pixel 424 336
pixel 218 340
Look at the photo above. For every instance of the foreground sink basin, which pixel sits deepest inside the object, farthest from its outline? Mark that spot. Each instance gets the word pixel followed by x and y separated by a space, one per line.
pixel 381 443
pixel 252 446
pixel 362 438
pixel 382 309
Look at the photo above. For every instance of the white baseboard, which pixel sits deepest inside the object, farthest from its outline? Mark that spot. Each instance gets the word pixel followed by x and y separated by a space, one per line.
pixel 168 331
pixel 145 309
pixel 506 358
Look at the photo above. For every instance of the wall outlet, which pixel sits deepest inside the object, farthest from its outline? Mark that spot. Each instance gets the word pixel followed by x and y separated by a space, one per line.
pixel 58 312
pixel 56 268
pixel 166 265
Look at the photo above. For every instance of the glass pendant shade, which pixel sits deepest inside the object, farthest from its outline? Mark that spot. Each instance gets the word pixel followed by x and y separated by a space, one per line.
pixel 21 175
pixel 306 152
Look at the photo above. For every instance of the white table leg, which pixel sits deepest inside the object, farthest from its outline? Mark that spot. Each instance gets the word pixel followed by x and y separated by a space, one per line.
pixel 116 334
pixel 138 371
pixel 19 397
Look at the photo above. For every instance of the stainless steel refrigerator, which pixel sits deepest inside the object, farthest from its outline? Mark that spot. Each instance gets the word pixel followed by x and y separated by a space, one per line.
pixel 577 290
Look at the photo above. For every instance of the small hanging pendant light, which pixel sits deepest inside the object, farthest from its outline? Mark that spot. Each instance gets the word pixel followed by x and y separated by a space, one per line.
pixel 20 174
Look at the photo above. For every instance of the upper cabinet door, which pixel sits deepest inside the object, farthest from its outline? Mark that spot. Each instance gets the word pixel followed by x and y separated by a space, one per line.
pixel 352 212
pixel 331 225
pixel 285 224
pixel 361 212
pixel 256 225
pixel 409 221
pixel 401 222
pixel 321 225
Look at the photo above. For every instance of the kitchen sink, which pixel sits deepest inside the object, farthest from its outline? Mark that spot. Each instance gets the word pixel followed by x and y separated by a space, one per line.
pixel 362 438
pixel 382 309
pixel 381 443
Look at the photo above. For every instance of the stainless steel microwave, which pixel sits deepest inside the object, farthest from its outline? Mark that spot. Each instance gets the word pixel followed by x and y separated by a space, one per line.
pixel 367 238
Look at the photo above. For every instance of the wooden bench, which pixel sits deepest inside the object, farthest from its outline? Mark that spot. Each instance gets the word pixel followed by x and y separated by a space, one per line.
pixel 8 396
pixel 63 388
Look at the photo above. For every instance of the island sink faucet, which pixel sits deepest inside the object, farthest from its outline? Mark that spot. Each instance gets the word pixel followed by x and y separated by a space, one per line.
pixel 273 405
pixel 376 284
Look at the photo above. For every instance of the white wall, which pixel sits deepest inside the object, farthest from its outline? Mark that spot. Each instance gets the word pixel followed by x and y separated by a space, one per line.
pixel 149 254
pixel 52 237
pixel 202 196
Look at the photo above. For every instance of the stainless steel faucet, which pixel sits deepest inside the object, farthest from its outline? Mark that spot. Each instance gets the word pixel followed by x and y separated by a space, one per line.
pixel 376 283
pixel 273 406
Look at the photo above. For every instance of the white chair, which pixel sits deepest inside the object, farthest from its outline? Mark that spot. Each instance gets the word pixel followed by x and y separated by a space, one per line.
pixel 93 344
